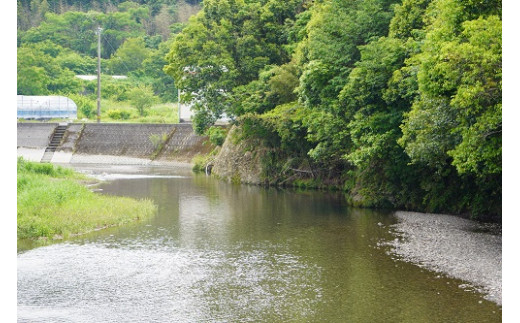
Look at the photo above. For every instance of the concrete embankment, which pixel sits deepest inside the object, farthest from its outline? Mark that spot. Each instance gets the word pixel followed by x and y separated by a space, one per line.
pixel 112 143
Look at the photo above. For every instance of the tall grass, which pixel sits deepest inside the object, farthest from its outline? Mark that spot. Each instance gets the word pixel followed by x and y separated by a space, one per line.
pixel 111 111
pixel 52 203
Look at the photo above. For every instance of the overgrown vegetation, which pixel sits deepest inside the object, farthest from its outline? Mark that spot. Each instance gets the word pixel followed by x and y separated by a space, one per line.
pixel 216 135
pixel 201 162
pixel 53 203
pixel 396 101
pixel 204 162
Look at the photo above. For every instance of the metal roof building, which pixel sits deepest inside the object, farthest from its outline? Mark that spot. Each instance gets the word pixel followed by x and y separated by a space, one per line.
pixel 46 107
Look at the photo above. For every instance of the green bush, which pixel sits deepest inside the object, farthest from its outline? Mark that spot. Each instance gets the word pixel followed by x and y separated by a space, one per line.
pixel 86 106
pixel 199 163
pixel 116 90
pixel 216 135
pixel 142 98
pixel 117 114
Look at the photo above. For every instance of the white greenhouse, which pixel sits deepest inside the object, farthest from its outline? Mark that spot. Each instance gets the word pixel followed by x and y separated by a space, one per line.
pixel 46 107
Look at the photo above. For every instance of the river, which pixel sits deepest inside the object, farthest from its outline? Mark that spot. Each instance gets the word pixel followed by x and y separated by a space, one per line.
pixel 218 252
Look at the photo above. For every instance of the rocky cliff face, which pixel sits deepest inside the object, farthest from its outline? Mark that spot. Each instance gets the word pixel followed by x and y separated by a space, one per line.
pixel 239 162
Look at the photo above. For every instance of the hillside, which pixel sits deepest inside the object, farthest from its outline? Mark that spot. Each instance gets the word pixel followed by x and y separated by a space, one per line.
pixel 57 40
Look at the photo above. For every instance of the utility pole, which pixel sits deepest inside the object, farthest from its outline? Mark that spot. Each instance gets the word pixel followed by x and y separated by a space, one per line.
pixel 99 76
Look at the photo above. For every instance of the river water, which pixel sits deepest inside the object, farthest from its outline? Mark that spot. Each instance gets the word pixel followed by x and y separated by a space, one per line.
pixel 217 252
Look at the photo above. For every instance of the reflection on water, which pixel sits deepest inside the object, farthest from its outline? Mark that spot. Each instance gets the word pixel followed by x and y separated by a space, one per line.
pixel 224 253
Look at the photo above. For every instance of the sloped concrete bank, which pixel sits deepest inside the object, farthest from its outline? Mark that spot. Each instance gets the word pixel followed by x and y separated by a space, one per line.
pixel 113 143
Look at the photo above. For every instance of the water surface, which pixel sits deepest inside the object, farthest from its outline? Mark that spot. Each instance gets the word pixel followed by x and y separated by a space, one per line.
pixel 217 252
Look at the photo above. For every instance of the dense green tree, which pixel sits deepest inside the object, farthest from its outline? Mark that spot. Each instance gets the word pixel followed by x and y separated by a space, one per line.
pixel 129 57
pixel 453 128
pixel 40 73
pixel 117 27
pixel 275 85
pixel 330 49
pixel 152 67
pixel 225 46
pixel 327 54
pixel 77 63
pixel 77 30
pixel 74 30
pixel 408 19
pixel 459 81
pixel 373 122
pixel 32 80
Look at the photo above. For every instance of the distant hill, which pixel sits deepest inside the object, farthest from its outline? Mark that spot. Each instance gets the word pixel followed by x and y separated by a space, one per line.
pixel 32 12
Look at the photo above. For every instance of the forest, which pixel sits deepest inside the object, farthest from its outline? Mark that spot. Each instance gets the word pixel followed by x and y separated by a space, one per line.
pixel 57 40
pixel 396 102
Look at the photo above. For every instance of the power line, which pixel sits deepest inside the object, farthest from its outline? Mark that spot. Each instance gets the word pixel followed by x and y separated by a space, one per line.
pixel 114 51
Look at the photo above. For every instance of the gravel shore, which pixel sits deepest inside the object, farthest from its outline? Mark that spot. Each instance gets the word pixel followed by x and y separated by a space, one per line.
pixel 459 248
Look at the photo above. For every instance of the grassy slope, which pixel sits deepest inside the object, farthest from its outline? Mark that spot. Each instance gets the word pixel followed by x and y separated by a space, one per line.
pixel 53 203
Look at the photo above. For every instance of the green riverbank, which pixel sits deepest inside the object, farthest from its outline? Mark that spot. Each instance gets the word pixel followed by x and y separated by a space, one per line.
pixel 245 157
pixel 53 203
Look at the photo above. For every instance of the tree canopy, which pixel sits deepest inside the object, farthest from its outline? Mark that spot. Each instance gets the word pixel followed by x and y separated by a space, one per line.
pixel 224 47
pixel 399 101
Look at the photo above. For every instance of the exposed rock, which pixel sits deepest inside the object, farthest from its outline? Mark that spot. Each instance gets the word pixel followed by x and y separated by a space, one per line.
pixel 239 162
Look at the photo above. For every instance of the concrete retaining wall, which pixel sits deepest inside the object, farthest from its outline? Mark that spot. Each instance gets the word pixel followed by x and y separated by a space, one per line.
pixel 167 142
pixel 184 144
pixel 70 138
pixel 135 140
pixel 34 135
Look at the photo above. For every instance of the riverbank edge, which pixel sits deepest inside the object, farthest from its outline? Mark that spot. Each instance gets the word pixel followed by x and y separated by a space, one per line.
pixel 243 161
pixel 41 221
pixel 236 162
pixel 459 248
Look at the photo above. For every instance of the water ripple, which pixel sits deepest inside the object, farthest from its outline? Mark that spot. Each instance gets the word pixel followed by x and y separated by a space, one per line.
pixel 92 283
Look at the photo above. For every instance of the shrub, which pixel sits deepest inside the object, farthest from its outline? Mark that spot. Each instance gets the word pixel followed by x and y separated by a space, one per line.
pixel 142 98
pixel 216 135
pixel 117 114
pixel 200 161
pixel 86 106
pixel 158 142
